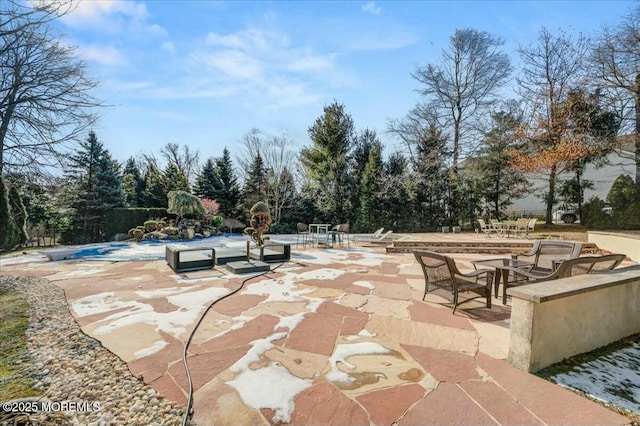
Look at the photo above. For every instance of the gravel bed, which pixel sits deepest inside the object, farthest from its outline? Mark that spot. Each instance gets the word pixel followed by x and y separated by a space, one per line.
pixel 71 367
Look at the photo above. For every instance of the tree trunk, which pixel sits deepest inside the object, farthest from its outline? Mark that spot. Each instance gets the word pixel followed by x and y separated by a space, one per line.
pixel 636 136
pixel 551 195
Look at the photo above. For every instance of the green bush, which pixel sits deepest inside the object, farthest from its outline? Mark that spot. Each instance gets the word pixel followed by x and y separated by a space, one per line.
pixel 150 225
pixel 120 220
pixel 593 217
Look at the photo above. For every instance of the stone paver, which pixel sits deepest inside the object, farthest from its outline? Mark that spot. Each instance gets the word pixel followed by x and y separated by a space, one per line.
pixel 336 337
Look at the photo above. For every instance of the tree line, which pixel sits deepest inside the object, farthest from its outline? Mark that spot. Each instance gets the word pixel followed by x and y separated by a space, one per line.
pixel 480 129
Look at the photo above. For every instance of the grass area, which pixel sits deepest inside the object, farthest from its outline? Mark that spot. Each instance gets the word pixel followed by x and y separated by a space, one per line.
pixel 14 311
pixel 569 364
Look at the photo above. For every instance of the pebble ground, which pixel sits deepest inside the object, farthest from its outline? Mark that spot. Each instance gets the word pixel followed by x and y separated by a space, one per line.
pixel 70 367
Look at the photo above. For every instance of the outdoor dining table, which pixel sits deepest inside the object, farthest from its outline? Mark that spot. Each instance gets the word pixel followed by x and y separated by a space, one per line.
pixel 319 229
pixel 503 267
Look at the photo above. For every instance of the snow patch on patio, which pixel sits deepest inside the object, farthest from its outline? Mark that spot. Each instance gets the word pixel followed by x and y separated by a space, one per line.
pixel 344 351
pixel 175 323
pixel 157 346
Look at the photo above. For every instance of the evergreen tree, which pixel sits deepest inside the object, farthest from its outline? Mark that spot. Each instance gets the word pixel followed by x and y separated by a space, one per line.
pixel 228 194
pixel 207 181
pixel 428 186
pixel 327 163
pixel 254 187
pixel 394 195
pixel 370 185
pixel 173 179
pixel 95 188
pixel 19 213
pixel 499 183
pixel 366 142
pixel 154 194
pixel 132 183
pixel 9 230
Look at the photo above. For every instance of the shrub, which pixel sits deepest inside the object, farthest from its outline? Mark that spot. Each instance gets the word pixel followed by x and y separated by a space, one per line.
pixel 150 225
pixel 593 216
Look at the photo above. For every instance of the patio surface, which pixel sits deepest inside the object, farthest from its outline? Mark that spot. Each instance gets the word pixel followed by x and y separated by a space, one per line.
pixel 337 337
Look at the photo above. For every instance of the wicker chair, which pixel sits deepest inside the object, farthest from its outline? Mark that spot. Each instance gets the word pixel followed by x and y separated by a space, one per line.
pixel 572 267
pixel 546 255
pixel 441 273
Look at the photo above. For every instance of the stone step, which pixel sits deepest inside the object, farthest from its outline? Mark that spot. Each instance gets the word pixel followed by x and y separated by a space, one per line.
pixel 467 247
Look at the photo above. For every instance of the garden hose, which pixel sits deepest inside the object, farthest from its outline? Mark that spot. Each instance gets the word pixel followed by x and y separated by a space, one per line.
pixel 188 414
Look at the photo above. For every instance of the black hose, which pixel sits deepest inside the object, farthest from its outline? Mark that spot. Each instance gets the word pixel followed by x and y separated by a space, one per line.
pixel 188 414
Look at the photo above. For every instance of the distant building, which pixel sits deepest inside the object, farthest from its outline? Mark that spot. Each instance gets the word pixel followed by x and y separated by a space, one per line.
pixel 618 163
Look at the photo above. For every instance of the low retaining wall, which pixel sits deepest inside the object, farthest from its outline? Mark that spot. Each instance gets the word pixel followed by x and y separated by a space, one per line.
pixel 628 244
pixel 554 320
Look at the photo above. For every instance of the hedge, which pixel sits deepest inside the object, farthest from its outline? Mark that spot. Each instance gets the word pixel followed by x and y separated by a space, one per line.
pixel 120 220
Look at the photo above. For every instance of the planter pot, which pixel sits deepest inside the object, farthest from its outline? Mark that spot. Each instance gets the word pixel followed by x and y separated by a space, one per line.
pixel 445 229
pixel 456 229
pixel 271 252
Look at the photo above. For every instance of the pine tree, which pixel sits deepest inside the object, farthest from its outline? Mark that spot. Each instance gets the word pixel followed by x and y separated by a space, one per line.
pixel 19 213
pixel 132 183
pixel 95 187
pixel 254 187
pixel 207 181
pixel 229 192
pixel 370 184
pixel 9 229
pixel 327 163
pixel 154 194
pixel 173 179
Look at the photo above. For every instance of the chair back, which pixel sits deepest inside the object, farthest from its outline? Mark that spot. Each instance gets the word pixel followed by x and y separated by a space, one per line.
pixel 531 225
pixel 302 227
pixel 343 227
pixel 586 265
pixel 552 250
pixel 483 224
pixel 436 269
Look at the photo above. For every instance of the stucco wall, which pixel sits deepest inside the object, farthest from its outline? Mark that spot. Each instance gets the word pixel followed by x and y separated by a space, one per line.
pixel 557 319
pixel 628 244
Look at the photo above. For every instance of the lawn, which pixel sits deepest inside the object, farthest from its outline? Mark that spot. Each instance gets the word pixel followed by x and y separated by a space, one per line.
pixel 14 311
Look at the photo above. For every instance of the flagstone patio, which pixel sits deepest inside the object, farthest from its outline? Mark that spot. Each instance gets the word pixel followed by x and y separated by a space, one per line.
pixel 337 337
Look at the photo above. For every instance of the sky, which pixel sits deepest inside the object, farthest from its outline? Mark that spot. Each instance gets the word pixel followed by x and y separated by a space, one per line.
pixel 204 73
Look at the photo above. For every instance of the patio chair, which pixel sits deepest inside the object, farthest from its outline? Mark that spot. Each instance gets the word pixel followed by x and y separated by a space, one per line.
pixel 496 226
pixel 546 255
pixel 572 267
pixel 441 273
pixel 484 228
pixel 532 225
pixel 382 238
pixel 521 227
pixel 341 232
pixel 302 234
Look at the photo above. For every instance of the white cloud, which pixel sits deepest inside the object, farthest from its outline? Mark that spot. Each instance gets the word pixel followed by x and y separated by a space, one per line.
pixel 88 12
pixel 370 7
pixel 104 55
pixel 168 46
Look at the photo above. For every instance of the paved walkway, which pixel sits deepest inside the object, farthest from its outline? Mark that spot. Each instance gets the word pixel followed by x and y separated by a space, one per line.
pixel 337 337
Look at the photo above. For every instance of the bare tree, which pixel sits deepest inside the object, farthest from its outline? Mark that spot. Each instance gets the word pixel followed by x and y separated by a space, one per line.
pixel 186 161
pixel 465 82
pixel 45 99
pixel 552 68
pixel 615 68
pixel 461 88
pixel 280 162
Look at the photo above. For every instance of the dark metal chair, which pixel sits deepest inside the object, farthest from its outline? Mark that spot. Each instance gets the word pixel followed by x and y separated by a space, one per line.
pixel 302 234
pixel 341 232
pixel 441 273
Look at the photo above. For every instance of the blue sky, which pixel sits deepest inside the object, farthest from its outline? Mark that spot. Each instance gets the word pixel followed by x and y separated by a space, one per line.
pixel 204 73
